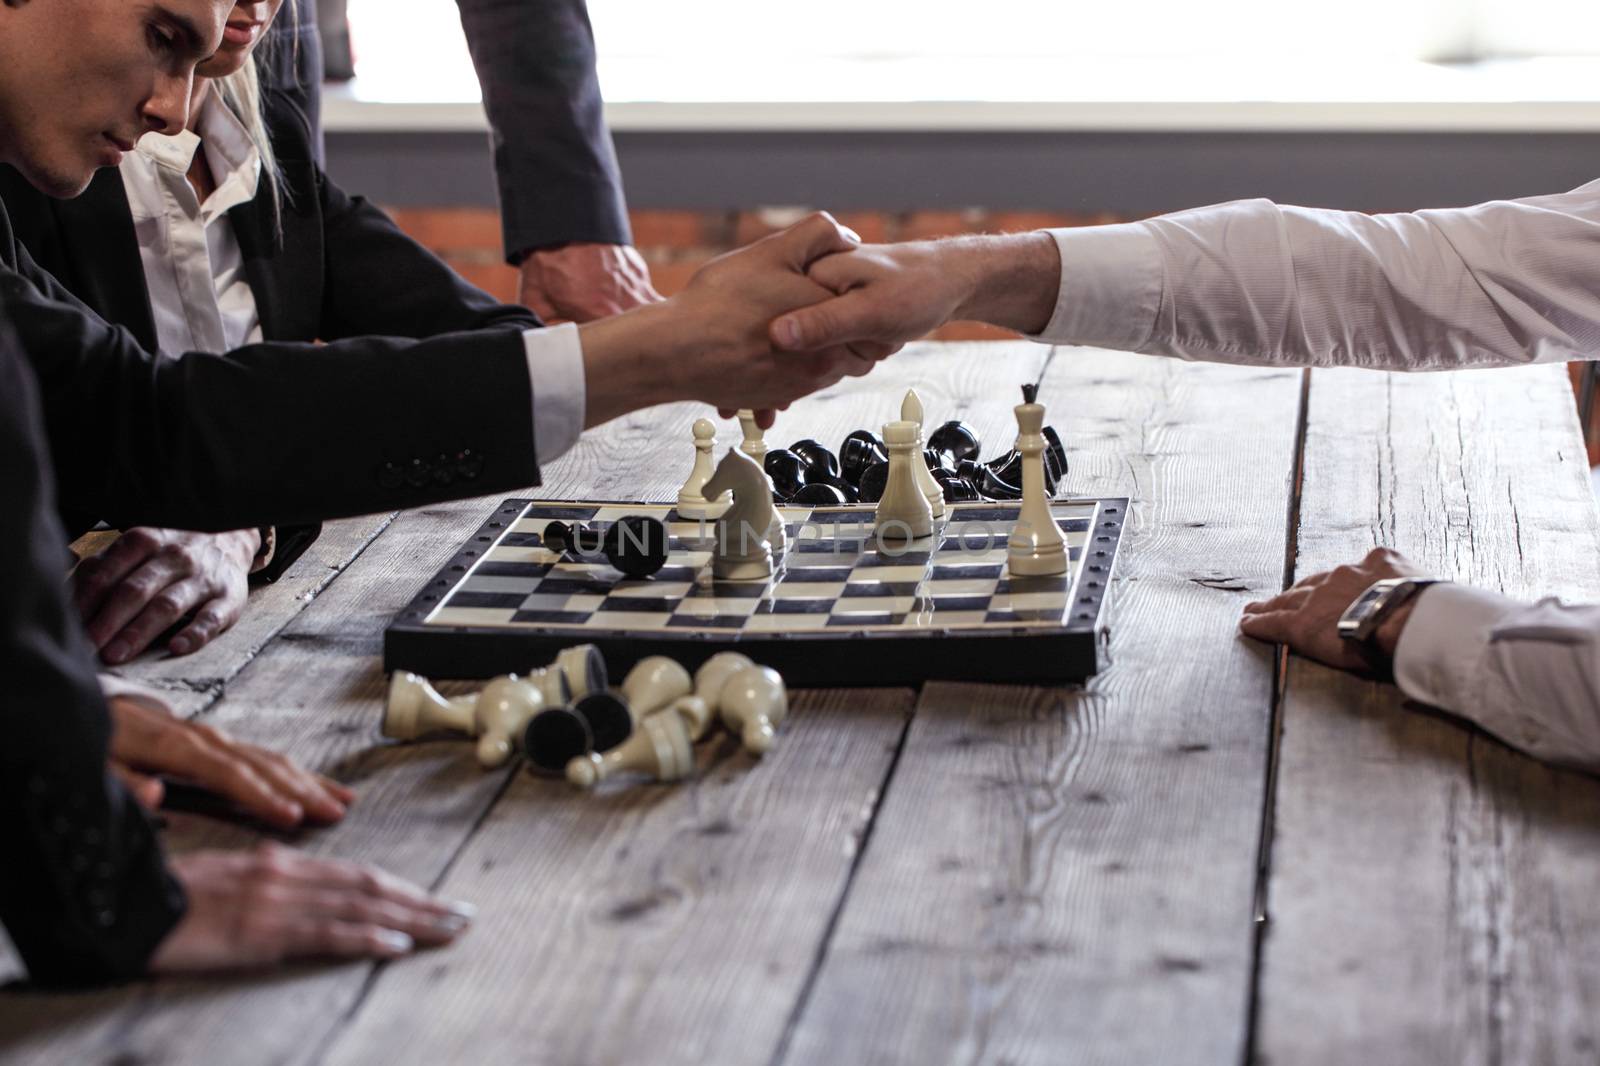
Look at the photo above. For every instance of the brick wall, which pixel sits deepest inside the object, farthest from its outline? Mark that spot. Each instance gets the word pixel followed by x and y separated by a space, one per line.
pixel 675 243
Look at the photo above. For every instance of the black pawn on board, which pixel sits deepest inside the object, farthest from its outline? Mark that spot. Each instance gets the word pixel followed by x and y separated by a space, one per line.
pixel 820 494
pixel 787 471
pixel 634 544
pixel 859 451
pixel 957 489
pixel 994 487
pixel 873 481
pixel 938 460
pixel 822 464
pixel 956 440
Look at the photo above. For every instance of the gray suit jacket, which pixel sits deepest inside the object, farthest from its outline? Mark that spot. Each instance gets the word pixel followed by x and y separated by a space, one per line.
pixel 556 167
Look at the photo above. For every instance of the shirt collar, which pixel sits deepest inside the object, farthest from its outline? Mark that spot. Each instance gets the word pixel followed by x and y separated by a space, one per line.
pixel 233 157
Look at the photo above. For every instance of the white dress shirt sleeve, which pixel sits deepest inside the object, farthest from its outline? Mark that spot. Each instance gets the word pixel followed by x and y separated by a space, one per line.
pixel 555 373
pixel 1507 282
pixel 1528 673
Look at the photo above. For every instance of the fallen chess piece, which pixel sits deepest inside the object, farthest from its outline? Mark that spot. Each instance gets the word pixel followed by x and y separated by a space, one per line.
pixel 634 544
pixel 660 748
pixel 557 735
pixel 497 713
pixel 654 683
pixel 753 702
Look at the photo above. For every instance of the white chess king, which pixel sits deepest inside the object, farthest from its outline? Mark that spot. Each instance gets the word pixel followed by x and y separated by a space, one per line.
pixel 1036 547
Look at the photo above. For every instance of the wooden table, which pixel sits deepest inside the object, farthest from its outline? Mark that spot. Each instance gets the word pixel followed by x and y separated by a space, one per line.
pixel 1211 854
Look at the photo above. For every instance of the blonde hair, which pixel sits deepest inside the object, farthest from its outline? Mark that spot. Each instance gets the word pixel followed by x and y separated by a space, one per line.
pixel 241 93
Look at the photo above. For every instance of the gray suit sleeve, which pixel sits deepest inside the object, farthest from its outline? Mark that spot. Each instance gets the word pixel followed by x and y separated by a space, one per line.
pixel 556 167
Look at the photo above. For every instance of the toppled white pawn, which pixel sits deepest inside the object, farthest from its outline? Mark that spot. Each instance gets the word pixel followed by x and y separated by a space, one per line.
pixel 696 713
pixel 692 502
pixel 415 708
pixel 654 683
pixel 585 670
pixel 660 747
pixel 700 710
pixel 752 704
pixel 501 713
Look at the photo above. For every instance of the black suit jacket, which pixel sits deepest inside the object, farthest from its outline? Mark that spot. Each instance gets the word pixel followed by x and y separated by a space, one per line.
pixel 553 157
pixel 85 895
pixel 326 267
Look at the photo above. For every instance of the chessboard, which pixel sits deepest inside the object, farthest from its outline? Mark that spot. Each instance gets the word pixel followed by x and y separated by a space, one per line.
pixel 841 610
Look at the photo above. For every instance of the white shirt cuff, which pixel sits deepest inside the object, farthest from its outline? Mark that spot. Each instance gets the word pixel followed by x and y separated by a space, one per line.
pixel 1111 279
pixel 555 373
pixel 1438 658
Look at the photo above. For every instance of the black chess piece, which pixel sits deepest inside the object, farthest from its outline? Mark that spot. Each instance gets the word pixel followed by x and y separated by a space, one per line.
pixel 822 464
pixel 820 494
pixel 874 479
pixel 956 440
pixel 787 470
pixel 938 460
pixel 1055 453
pixel 557 735
pixel 1007 467
pixel 554 737
pixel 957 489
pixel 970 469
pixel 858 452
pixel 634 544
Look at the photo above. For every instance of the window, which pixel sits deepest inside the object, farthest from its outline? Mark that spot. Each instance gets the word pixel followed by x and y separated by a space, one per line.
pixel 840 50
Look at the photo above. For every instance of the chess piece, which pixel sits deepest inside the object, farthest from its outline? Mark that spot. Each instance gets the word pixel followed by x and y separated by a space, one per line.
pixel 609 719
pixel 415 708
pixel 1035 546
pixel 692 502
pixel 858 452
pixel 554 737
pixel 695 712
pixel 584 668
pixel 820 494
pixel 905 512
pixel 635 544
pixel 874 479
pixel 652 684
pixel 787 470
pixel 957 489
pixel 743 552
pixel 956 440
pixel 754 444
pixel 500 713
pixel 660 747
pixel 1055 459
pixel 911 411
pixel 712 678
pixel 752 703
pixel 821 464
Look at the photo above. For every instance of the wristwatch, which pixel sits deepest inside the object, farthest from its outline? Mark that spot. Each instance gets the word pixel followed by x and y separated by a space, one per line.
pixel 1361 619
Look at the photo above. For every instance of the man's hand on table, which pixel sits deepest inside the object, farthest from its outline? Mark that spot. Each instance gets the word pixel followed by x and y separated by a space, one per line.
pixel 147 740
pixel 1306 615
pixel 249 910
pixel 581 282
pixel 710 341
pixel 149 579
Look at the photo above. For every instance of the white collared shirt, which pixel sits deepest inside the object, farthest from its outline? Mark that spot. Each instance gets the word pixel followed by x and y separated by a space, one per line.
pixel 1499 284
pixel 200 296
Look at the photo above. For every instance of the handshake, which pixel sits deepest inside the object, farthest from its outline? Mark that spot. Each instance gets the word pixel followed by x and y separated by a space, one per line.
pixel 800 310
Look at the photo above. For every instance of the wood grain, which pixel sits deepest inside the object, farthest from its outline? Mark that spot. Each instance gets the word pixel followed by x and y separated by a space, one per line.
pixel 1432 891
pixel 1063 875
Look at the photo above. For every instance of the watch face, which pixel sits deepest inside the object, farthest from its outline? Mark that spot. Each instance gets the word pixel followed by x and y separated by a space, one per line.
pixel 1357 621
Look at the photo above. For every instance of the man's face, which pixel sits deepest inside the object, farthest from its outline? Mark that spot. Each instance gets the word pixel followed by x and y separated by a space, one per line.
pixel 82 80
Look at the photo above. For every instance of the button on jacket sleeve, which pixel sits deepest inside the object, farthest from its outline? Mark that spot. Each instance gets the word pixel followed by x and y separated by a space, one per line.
pixel 85 896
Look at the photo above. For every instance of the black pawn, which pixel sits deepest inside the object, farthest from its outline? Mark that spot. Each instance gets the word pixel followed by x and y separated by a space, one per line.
pixel 634 544
pixel 1007 468
pixel 873 481
pixel 787 471
pixel 858 452
pixel 957 489
pixel 938 460
pixel 956 440
pixel 822 464
pixel 554 737
pixel 970 469
pixel 610 721
pixel 994 487
pixel 820 494
pixel 1055 453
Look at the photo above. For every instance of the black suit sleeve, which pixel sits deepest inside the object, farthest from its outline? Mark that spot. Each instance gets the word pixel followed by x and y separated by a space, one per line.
pixel 85 896
pixel 553 157
pixel 271 433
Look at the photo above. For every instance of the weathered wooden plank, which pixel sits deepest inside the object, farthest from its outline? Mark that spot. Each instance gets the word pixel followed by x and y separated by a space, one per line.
pixel 678 924
pixel 1432 892
pixel 1067 875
